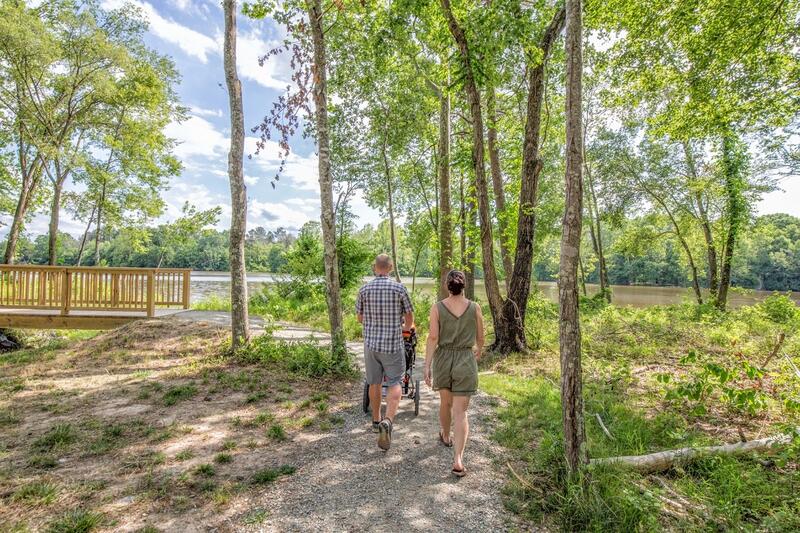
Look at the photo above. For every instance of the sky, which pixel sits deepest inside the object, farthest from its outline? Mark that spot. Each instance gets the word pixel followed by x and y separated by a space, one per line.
pixel 190 32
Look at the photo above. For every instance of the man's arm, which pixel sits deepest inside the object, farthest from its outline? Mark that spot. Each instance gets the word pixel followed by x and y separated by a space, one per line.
pixel 360 306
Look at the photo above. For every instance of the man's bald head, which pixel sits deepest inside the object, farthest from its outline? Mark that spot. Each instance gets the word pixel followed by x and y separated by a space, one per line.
pixel 383 264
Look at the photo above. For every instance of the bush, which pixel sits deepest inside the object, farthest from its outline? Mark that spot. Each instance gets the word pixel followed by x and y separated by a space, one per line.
pixel 306 358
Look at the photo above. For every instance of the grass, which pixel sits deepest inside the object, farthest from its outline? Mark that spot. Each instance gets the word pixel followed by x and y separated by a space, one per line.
pixel 624 350
pixel 36 493
pixel 58 436
pixel 75 521
pixel 206 470
pixel 276 432
pixel 269 475
pixel 184 455
pixel 255 517
pixel 223 458
pixel 179 393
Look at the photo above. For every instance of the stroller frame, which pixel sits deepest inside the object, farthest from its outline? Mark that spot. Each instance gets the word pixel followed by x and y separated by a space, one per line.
pixel 409 385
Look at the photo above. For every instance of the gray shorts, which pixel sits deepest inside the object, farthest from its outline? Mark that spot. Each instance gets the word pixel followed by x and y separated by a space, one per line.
pixel 379 364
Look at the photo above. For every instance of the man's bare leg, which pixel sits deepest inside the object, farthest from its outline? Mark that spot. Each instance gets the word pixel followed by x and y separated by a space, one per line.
pixel 375 401
pixel 445 412
pixel 393 395
pixel 461 430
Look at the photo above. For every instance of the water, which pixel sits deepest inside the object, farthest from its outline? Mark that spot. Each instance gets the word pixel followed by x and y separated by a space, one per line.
pixel 206 284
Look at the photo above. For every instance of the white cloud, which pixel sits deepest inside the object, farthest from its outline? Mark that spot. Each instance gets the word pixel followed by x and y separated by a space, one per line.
pixel 275 215
pixel 201 112
pixel 192 42
pixel 301 173
pixel 198 195
pixel 197 136
pixel 276 72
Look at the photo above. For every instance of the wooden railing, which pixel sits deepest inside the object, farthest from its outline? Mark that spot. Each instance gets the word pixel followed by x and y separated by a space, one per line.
pixel 93 288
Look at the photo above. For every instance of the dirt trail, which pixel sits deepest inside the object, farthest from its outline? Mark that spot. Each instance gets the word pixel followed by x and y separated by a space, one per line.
pixel 345 483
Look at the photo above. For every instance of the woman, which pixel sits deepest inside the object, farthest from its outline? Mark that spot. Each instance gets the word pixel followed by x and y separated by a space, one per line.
pixel 456 328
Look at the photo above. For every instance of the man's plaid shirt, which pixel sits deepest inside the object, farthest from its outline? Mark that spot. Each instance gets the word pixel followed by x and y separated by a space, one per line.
pixel 383 302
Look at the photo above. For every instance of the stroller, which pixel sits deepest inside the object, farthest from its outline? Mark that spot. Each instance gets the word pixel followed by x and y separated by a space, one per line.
pixel 410 386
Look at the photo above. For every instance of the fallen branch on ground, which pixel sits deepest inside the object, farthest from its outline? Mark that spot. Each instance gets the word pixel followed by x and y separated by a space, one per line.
pixel 659 461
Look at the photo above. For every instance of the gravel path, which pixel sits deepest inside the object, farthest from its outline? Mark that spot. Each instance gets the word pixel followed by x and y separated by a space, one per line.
pixel 345 483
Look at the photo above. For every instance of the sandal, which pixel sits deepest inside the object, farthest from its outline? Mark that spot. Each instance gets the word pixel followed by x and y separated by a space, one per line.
pixel 445 443
pixel 460 473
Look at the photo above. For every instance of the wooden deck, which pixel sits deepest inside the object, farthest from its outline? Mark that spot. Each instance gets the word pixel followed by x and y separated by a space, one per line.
pixel 46 297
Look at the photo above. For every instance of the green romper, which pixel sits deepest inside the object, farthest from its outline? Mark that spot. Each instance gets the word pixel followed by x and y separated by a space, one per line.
pixel 454 364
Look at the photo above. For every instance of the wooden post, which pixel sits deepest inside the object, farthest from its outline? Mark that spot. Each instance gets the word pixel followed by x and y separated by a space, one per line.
pixel 114 290
pixel 151 293
pixel 187 277
pixel 66 293
pixel 42 275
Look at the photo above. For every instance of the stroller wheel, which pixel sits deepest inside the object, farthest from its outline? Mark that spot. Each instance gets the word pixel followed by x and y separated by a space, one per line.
pixel 365 399
pixel 416 397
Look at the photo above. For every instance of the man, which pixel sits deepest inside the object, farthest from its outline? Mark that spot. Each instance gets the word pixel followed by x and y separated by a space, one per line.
pixel 384 308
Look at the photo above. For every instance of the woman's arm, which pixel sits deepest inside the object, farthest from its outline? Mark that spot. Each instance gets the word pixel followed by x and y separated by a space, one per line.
pixel 479 335
pixel 431 343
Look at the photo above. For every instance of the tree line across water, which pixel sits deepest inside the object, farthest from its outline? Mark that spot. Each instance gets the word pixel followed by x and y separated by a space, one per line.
pixel 769 257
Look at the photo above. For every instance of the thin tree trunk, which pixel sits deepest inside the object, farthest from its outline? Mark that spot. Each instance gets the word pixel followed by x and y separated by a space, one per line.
pixel 31 177
pixel 692 266
pixel 497 185
pixel 55 210
pixel 392 233
pixel 594 213
pixel 510 336
pixel 85 235
pixel 319 70
pixel 444 216
pixel 98 227
pixel 240 323
pixel 583 275
pixel 569 322
pixel 478 162
pixel 705 224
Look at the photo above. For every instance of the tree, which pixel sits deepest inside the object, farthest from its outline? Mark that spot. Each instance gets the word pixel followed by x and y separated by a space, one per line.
pixel 172 236
pixel 569 322
pixel 240 322
pixel 478 162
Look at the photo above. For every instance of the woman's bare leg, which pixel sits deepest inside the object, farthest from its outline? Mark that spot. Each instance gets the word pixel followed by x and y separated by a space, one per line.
pixel 445 407
pixel 461 430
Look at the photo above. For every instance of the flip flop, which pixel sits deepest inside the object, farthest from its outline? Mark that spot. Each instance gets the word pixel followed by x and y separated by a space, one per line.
pixel 460 473
pixel 445 443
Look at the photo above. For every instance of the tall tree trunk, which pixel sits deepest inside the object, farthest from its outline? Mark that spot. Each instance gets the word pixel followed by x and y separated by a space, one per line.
pixel 389 194
pixel 443 171
pixel 733 170
pixel 510 335
pixel 469 260
pixel 497 184
pixel 240 322
pixel 569 321
pixel 319 70
pixel 705 224
pixel 478 163
pixel 85 235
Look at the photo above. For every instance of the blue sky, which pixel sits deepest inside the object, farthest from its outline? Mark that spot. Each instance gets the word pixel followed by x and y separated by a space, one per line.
pixel 190 31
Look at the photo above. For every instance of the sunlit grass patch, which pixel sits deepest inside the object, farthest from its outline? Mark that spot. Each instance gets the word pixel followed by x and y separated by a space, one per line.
pixel 75 521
